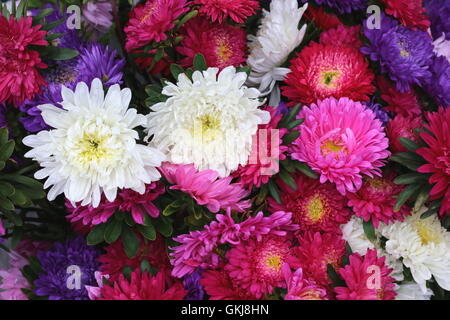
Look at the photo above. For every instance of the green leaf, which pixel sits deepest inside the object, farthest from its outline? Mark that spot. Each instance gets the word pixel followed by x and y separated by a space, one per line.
pixel 6 150
pixel 3 136
pixel 6 189
pixel 148 232
pixel 127 271
pixel 263 191
pixel 190 15
pixel 405 195
pixel 173 207
pixel 153 90
pixel 57 53
pixel 410 178
pixel 53 36
pixel 44 12
pixel 96 235
pixel 16 237
pixel 306 170
pixel 52 25
pixel 145 266
pixel 369 230
pixel 273 190
pixel 113 231
pixel 294 123
pixel 130 242
pixel 176 70
pixel 164 227
pixel 21 9
pixel 6 204
pixel 410 164
pixel 14 218
pixel 27 181
pixel 292 113
pixel 19 198
pixel 288 180
pixel 290 137
pixel 333 275
pixel 409 144
pixel 200 62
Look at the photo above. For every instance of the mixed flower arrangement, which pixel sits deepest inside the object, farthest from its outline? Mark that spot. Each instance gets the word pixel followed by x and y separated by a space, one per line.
pixel 225 149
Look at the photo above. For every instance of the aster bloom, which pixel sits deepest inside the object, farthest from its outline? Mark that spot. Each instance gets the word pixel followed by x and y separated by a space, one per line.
pixel 341 140
pixel 437 154
pixel 196 249
pixel 323 20
pixel 438 86
pixel 142 286
pixel 357 276
pixel 343 6
pixel 438 11
pixel 402 53
pixel 206 187
pixel 376 200
pixel 139 205
pixel 221 44
pixel 12 279
pixel 315 206
pixel 208 121
pixel 342 36
pixel 98 15
pixel 219 286
pixel 380 113
pixel 261 165
pixel 193 286
pixel 256 265
pixel 299 288
pixel 411 291
pixel 402 103
pixel 402 127
pixel 52 282
pixel 277 36
pixel 93 148
pixel 150 21
pixel 219 10
pixel 19 64
pixel 320 71
pixel 424 247
pixel 409 12
pixel 314 253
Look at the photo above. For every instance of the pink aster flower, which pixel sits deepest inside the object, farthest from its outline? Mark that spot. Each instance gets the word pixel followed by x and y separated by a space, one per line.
pixel 402 127
pixel 197 249
pixel 367 278
pixel 219 10
pixel 206 187
pixel 299 288
pixel 12 283
pixel 139 205
pixel 256 265
pixel 149 22
pixel 219 286
pixel 221 44
pixel 341 140
pixel 343 36
pixel 315 206
pixel 376 200
pixel 405 103
pixel 267 151
pixel 410 13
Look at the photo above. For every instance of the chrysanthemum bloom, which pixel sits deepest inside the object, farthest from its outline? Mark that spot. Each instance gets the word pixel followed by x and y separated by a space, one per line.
pixel 411 291
pixel 299 288
pixel 423 245
pixel 439 11
pixel 321 71
pixel 139 205
pixel 367 278
pixel 401 52
pixel 221 44
pixel 314 253
pixel 342 36
pixel 409 12
pixel 256 265
pixel 219 10
pixel 150 21
pixel 98 15
pixel 206 187
pixel 315 206
pixel 219 286
pixel 53 280
pixel 402 103
pixel 343 6
pixel 193 286
pixel 208 121
pixel 376 200
pixel 323 20
pixel 115 258
pixel 277 36
pixel 402 127
pixel 437 154
pixel 341 140
pixel 19 64
pixel 438 86
pixel 142 286
pixel 262 165
pixel 93 148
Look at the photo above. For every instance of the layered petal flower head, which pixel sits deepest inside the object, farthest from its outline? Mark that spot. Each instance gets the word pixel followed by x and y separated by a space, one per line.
pixel 219 286
pixel 402 103
pixel 221 44
pixel 342 141
pixel 438 11
pixel 208 121
pixel 19 63
pixel 410 13
pixel 206 187
pixel 299 288
pixel 320 71
pixel 277 36
pixel 92 149
pixel 150 21
pixel 402 127
pixel 219 10
pixel 366 278
pixel 438 86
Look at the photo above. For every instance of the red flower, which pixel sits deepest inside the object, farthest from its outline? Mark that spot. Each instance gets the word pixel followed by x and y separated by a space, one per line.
pixel 410 13
pixel 322 19
pixel 19 77
pixel 342 36
pixel 402 127
pixel 218 285
pixel 404 104
pixel 219 10
pixel 437 154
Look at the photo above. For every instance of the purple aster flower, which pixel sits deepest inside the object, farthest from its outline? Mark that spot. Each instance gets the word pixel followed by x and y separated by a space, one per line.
pixel 380 113
pixel 343 6
pixel 2 115
pixel 98 15
pixel 192 285
pixel 438 86
pixel 439 13
pixel 403 53
pixel 53 281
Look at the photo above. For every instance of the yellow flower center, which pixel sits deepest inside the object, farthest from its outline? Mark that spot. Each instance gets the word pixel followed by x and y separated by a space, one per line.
pixel 426 234
pixel 330 146
pixel 376 183
pixel 148 12
pixel 316 208
pixel 329 78
pixel 93 148
pixel 274 262
pixel 404 53
pixel 207 127
pixel 224 51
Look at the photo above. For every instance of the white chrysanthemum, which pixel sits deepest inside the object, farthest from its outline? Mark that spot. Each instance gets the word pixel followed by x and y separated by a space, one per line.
pixel 276 38
pixel 92 148
pixel 424 246
pixel 208 121
pixel 412 291
pixel 353 234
